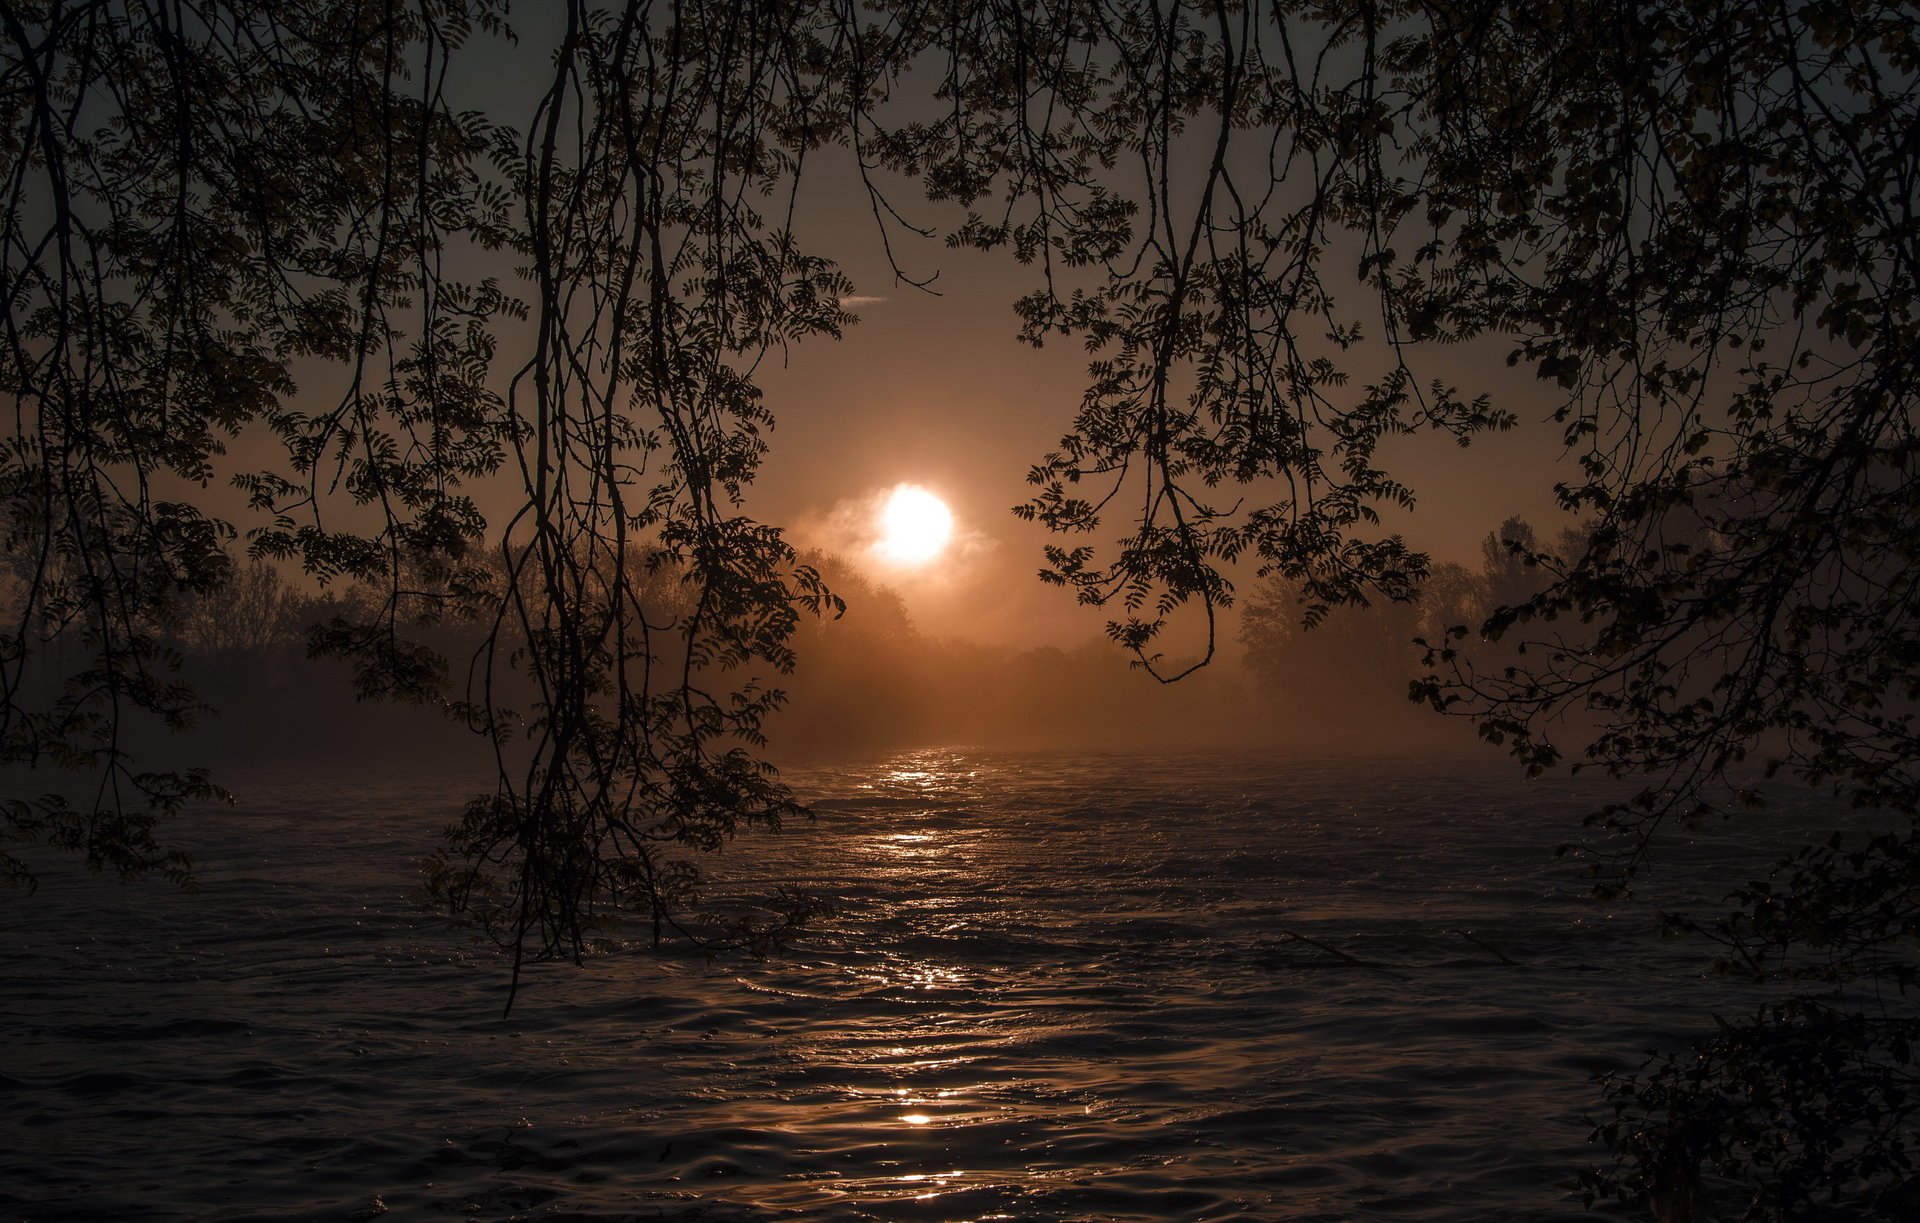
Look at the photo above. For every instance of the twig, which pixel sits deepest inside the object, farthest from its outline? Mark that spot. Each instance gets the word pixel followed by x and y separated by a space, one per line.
pixel 1356 961
pixel 1487 947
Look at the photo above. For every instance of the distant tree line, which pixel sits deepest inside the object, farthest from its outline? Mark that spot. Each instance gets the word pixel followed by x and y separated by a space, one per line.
pixel 864 680
pixel 873 679
pixel 1347 670
pixel 869 678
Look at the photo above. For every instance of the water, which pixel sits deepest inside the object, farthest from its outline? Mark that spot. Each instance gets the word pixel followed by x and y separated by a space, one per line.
pixel 1048 989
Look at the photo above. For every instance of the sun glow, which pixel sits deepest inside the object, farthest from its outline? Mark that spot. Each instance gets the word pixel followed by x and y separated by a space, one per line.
pixel 915 526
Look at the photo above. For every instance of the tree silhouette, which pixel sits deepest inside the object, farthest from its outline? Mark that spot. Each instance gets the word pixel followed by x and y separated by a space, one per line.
pixel 1344 676
pixel 1708 217
pixel 273 221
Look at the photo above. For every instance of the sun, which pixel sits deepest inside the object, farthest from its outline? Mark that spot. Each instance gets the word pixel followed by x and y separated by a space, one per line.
pixel 914 526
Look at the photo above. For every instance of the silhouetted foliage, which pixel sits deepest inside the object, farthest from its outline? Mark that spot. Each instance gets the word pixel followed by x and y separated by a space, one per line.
pixel 258 220
pixel 1808 1106
pixel 273 221
pixel 1341 674
pixel 1709 213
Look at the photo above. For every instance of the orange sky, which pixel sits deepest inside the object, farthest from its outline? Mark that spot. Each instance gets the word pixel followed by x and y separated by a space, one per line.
pixel 933 389
pixel 936 391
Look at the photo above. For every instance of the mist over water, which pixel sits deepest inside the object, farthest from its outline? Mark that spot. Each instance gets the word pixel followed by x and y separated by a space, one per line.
pixel 1049 987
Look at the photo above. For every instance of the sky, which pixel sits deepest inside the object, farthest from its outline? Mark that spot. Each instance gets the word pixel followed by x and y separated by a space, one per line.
pixel 933 389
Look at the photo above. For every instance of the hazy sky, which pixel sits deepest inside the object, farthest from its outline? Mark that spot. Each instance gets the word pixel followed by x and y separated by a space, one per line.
pixel 932 389
pixel 935 390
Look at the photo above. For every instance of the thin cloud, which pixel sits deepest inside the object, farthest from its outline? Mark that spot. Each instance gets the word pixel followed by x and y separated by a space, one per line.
pixel 851 530
pixel 857 300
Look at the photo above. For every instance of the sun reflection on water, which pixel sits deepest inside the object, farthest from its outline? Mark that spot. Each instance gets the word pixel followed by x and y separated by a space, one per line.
pixel 919 829
pixel 927 771
pixel 908 845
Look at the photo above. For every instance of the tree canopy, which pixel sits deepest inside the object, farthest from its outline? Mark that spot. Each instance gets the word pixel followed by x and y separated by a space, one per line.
pixel 297 227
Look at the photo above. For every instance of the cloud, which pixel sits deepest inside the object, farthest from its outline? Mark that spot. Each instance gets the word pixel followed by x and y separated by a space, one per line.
pixel 851 529
pixel 856 300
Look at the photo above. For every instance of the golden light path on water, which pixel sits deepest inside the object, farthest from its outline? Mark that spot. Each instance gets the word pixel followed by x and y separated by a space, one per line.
pixel 1042 987
pixel 1040 1032
pixel 903 853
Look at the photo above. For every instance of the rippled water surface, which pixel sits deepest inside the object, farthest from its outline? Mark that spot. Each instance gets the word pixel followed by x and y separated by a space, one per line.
pixel 1048 988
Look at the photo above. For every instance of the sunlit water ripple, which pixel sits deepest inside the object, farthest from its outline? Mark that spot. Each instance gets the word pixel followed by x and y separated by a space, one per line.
pixel 1048 988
